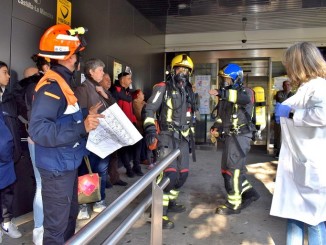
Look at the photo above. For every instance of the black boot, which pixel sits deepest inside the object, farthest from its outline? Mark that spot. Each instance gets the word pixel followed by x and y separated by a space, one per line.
pixel 248 197
pixel 167 223
pixel 176 208
pixel 137 170
pixel 227 210
pixel 130 173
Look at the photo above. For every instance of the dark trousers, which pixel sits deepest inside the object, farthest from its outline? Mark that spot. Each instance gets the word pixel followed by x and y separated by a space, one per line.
pixel 113 168
pixel 136 154
pixel 6 199
pixel 60 205
pixel 126 154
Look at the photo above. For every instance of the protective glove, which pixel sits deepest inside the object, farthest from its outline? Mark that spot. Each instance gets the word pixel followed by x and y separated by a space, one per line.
pixel 281 111
pixel 150 136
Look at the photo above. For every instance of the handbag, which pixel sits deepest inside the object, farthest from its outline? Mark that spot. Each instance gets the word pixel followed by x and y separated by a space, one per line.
pixel 89 186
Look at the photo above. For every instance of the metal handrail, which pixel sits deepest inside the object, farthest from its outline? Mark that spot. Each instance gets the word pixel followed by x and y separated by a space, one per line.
pixel 95 226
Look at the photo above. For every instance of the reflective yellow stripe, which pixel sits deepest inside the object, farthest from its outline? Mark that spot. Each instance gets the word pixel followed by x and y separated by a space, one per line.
pixel 52 95
pixel 149 120
pixel 185 133
pixel 235 120
pixel 235 199
pixel 233 95
pixel 174 194
pixel 159 178
pixel 245 186
pixel 166 200
pixel 169 111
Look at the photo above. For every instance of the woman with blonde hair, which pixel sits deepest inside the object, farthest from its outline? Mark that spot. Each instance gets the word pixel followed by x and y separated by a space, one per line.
pixel 300 188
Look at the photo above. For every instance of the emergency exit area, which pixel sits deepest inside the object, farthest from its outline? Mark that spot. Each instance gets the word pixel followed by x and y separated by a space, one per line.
pixel 260 68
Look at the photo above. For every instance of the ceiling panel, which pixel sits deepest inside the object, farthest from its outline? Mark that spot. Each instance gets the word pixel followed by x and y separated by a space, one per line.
pixel 192 16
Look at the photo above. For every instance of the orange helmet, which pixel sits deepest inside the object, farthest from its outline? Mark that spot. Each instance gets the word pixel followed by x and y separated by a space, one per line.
pixel 59 42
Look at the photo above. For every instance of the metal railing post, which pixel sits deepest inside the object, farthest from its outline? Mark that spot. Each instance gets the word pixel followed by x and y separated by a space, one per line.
pixel 157 212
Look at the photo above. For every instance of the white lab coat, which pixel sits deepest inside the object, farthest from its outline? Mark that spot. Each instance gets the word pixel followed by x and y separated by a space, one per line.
pixel 300 188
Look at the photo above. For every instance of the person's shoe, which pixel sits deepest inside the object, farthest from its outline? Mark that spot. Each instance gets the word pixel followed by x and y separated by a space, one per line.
pixel 167 223
pixel 121 183
pixel 108 184
pixel 83 212
pixel 38 235
pixel 130 173
pixel 175 207
pixel 138 171
pixel 225 210
pixel 145 162
pixel 248 197
pixel 150 166
pixel 11 230
pixel 99 206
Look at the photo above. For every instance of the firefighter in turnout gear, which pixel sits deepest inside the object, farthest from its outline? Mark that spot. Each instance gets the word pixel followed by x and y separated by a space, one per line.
pixel 171 104
pixel 235 108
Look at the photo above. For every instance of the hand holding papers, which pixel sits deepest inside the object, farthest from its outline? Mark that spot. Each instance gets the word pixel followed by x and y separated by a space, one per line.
pixel 115 131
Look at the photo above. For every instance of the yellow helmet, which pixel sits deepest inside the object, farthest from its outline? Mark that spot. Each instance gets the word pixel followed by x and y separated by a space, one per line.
pixel 182 60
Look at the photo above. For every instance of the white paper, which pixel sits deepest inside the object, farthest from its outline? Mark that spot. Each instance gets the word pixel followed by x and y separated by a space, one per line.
pixel 113 132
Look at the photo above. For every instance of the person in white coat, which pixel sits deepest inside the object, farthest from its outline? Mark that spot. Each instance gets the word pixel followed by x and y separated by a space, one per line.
pixel 300 187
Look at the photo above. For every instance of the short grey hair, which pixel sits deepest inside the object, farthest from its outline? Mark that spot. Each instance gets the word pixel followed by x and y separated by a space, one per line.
pixel 92 64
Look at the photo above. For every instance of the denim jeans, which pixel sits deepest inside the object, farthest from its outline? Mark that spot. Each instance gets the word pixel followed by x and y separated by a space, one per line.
pixel 37 203
pixel 100 166
pixel 295 233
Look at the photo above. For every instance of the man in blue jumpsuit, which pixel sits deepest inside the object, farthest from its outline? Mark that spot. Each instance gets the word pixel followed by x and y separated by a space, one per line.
pixel 172 105
pixel 234 113
pixel 58 128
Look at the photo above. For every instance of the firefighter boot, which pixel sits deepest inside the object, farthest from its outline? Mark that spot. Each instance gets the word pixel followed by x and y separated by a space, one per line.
pixel 248 197
pixel 174 207
pixel 228 209
pixel 166 222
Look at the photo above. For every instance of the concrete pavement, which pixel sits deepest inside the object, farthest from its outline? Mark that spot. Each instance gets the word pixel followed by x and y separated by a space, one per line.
pixel 203 191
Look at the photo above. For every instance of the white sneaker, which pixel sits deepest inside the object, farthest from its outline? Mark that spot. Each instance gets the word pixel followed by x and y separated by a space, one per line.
pixel 99 206
pixel 11 230
pixel 38 235
pixel 83 212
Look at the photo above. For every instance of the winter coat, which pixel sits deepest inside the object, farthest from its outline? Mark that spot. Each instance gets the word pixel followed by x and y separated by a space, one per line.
pixel 300 188
pixel 7 171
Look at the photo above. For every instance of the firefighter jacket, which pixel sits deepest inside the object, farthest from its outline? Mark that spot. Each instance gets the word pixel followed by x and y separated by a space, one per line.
pixel 56 124
pixel 172 107
pixel 235 108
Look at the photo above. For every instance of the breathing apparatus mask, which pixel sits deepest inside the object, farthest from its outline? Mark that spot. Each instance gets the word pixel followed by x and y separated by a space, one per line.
pixel 181 77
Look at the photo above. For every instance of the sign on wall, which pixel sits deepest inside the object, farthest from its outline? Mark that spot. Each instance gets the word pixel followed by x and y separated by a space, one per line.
pixel 64 12
pixel 203 83
pixel 117 69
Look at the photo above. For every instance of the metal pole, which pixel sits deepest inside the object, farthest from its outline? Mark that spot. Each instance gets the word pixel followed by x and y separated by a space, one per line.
pixel 123 228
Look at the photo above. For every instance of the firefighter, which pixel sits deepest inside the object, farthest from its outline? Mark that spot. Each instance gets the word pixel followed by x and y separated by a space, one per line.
pixel 235 125
pixel 171 104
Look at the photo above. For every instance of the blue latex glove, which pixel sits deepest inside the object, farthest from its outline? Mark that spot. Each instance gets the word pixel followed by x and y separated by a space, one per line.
pixel 281 111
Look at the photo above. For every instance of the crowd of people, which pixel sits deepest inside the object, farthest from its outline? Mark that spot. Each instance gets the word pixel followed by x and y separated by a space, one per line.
pixel 61 113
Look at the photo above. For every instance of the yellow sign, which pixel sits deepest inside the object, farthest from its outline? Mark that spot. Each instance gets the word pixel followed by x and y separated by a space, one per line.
pixel 64 12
